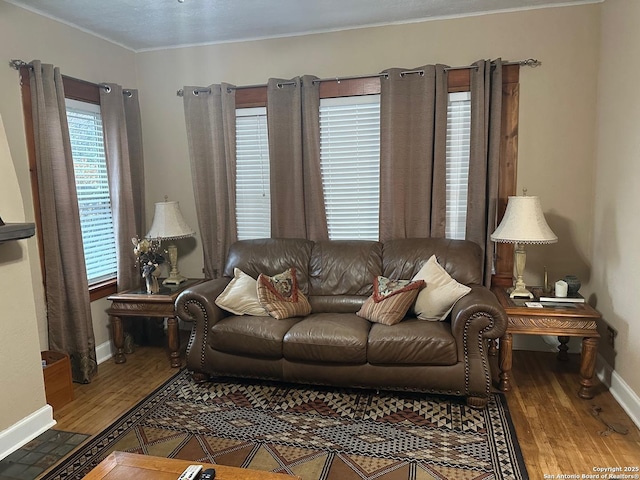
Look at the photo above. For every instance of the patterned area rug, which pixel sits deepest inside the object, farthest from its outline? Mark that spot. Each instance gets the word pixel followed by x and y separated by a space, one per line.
pixel 317 433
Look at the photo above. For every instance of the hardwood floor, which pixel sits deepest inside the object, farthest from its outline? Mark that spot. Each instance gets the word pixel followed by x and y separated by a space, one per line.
pixel 557 432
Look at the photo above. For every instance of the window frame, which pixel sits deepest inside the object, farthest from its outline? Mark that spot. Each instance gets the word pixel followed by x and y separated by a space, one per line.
pixel 459 80
pixel 74 89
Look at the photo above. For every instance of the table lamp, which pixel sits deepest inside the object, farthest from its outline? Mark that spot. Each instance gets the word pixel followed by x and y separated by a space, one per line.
pixel 168 224
pixel 523 223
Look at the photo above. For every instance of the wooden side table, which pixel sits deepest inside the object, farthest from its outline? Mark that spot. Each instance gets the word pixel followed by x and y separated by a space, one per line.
pixel 138 303
pixel 568 320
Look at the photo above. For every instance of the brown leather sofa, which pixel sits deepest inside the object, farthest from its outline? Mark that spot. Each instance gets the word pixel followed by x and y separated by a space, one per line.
pixel 333 346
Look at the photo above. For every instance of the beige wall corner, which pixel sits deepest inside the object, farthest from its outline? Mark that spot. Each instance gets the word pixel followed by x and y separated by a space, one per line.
pixel 19 352
pixel 557 112
pixel 615 255
pixel 27 36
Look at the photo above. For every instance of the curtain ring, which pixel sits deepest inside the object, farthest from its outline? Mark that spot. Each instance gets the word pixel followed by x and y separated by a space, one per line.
pixel 128 93
pixel 279 85
pixel 106 87
pixel 195 92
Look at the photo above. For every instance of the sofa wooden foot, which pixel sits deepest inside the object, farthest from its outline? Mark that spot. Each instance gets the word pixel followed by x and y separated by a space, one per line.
pixel 477 402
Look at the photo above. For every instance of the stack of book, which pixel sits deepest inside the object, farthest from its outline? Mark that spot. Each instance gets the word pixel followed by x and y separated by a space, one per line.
pixel 577 298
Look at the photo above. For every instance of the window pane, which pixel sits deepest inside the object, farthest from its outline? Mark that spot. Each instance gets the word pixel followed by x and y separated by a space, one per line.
pixel 90 167
pixel 253 200
pixel 350 165
pixel 458 140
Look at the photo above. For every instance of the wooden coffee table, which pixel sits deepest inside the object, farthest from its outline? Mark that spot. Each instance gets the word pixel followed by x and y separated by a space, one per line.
pixel 563 321
pixel 121 465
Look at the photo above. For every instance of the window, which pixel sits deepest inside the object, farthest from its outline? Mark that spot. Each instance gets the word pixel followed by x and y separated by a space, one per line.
pixel 458 145
pixel 350 165
pixel 253 201
pixel 92 187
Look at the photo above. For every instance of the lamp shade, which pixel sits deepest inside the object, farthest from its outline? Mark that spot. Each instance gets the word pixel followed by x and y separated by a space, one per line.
pixel 168 222
pixel 524 222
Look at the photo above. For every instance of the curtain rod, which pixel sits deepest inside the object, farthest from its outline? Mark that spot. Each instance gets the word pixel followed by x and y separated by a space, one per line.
pixel 18 64
pixel 529 62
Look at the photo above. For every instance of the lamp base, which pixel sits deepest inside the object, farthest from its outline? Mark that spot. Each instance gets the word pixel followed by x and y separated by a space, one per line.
pixel 520 292
pixel 174 280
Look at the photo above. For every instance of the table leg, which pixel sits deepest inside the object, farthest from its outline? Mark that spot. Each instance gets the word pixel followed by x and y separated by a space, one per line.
pixel 118 339
pixel 588 366
pixel 563 349
pixel 174 341
pixel 506 362
pixel 493 350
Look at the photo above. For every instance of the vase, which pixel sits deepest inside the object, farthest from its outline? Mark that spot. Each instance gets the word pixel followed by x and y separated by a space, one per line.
pixel 573 284
pixel 151 281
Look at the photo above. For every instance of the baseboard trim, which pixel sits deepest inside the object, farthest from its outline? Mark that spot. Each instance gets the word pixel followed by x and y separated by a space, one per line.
pixel 41 420
pixel 26 430
pixel 621 391
pixel 104 351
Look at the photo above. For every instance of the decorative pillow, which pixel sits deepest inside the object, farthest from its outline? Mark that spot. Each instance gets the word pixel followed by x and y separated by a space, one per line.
pixel 280 296
pixel 390 300
pixel 240 297
pixel 436 300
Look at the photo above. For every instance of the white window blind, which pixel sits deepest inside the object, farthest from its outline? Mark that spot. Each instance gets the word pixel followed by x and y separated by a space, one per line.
pixel 92 186
pixel 350 165
pixel 253 200
pixel 458 141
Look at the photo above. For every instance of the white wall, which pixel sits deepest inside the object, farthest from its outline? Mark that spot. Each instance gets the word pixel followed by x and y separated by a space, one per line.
pixel 26 36
pixel 616 229
pixel 557 113
pixel 558 118
pixel 19 353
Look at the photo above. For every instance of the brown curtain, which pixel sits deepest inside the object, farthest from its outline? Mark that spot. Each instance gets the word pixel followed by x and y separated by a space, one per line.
pixel 413 131
pixel 123 147
pixel 297 198
pixel 211 133
pixel 486 117
pixel 66 287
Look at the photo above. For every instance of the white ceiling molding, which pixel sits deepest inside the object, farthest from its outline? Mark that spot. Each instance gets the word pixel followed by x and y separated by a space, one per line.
pixel 142 25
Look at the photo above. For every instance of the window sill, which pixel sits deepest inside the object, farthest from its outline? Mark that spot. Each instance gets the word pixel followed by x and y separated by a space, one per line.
pixel 102 289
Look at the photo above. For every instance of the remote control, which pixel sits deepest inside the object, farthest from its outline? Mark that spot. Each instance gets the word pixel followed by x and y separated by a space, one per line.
pixel 208 474
pixel 191 472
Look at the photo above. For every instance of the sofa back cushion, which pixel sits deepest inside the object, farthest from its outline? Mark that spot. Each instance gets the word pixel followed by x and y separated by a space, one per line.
pixel 403 258
pixel 271 256
pixel 341 273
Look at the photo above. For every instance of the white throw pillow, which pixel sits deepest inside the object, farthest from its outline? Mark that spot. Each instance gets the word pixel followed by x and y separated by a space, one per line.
pixel 436 300
pixel 240 297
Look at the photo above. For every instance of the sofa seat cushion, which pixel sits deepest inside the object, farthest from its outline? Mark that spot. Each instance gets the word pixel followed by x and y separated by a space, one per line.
pixel 328 337
pixel 252 336
pixel 412 342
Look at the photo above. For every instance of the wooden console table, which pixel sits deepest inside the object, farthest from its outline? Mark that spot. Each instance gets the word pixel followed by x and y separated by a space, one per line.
pixel 138 303
pixel 141 467
pixel 570 320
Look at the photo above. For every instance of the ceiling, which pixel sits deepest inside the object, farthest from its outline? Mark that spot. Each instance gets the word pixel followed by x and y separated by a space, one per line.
pixel 155 24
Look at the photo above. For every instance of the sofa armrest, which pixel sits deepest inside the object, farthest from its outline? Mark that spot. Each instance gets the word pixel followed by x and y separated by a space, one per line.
pixel 475 318
pixel 478 314
pixel 197 304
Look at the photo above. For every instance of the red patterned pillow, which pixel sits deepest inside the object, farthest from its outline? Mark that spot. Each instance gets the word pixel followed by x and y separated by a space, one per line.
pixel 390 300
pixel 280 296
